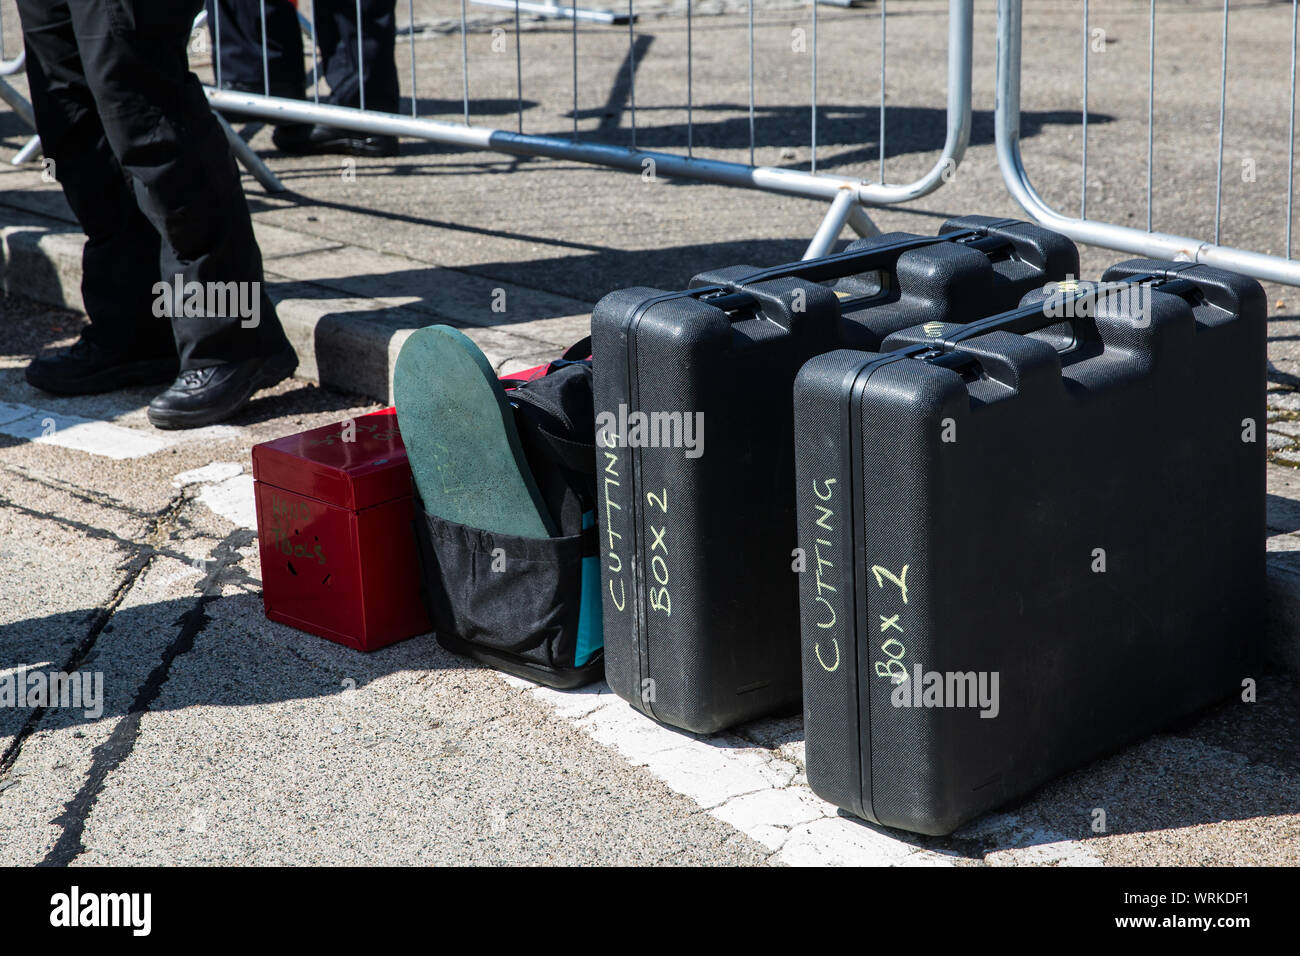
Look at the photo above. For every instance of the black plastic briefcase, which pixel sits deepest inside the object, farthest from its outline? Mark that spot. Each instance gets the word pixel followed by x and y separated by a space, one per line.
pixel 695 448
pixel 1034 538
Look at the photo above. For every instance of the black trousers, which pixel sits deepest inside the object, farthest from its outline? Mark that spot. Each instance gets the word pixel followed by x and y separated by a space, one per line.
pixel 148 172
pixel 240 49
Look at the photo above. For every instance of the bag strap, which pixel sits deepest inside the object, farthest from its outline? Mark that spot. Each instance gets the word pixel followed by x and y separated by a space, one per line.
pixel 578 351
pixel 576 456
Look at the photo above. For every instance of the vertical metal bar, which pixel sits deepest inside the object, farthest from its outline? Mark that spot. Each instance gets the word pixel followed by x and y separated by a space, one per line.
pixel 464 57
pixel 266 66
pixel 750 5
pixel 216 31
pixel 249 159
pixel 410 13
pixel 690 62
pixel 831 225
pixel 1290 139
pixel 519 69
pixel 29 150
pixel 574 20
pixel 1223 92
pixel 1083 184
pixel 361 59
pixel 882 92
pixel 631 67
pixel 315 75
pixel 814 85
pixel 1151 97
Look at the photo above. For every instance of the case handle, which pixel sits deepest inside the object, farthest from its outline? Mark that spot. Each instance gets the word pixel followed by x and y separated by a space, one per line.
pixel 842 264
pixel 1034 318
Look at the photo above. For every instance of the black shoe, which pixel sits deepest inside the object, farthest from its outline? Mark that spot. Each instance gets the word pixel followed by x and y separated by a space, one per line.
pixel 293 138
pixel 86 368
pixel 201 396
pixel 329 139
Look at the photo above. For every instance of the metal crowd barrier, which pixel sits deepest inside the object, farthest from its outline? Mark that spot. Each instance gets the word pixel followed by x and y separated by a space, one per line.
pixel 8 67
pixel 1143 242
pixel 847 196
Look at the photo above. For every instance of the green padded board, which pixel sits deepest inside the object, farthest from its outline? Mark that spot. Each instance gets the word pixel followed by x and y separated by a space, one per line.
pixel 459 431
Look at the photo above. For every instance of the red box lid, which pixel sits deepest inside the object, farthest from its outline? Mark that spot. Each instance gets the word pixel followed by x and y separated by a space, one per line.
pixel 319 463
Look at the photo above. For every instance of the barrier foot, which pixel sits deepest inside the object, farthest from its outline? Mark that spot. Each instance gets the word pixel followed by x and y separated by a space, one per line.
pixel 28 152
pixel 861 223
pixel 249 159
pixel 844 208
pixel 17 103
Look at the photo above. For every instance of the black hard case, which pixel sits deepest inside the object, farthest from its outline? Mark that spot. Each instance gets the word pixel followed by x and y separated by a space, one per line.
pixel 1130 441
pixel 700 600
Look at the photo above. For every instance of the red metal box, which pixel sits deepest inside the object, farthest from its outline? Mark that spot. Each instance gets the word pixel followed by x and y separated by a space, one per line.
pixel 334 512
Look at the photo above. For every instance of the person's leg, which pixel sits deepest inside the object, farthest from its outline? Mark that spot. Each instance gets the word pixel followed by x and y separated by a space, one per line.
pixel 235 27
pixel 160 128
pixel 120 258
pixel 378 46
pixel 336 33
pixel 239 23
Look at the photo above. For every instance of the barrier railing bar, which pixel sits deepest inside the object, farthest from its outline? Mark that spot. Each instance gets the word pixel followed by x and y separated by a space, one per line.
pixel 574 21
pixel 1223 96
pixel 410 15
pixel 1083 131
pixel 882 91
pixel 813 134
pixel 519 67
pixel 1290 138
pixel 315 73
pixel 631 68
pixel 1151 98
pixel 216 38
pixel 464 57
pixel 362 76
pixel 750 6
pixel 690 82
pixel 1124 238
pixel 266 65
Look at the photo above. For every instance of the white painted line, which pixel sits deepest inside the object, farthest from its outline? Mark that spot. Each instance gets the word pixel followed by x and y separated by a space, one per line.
pixel 79 434
pixel 760 792
pixel 763 793
pixel 1020 844
pixel 232 499
pixel 217 471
